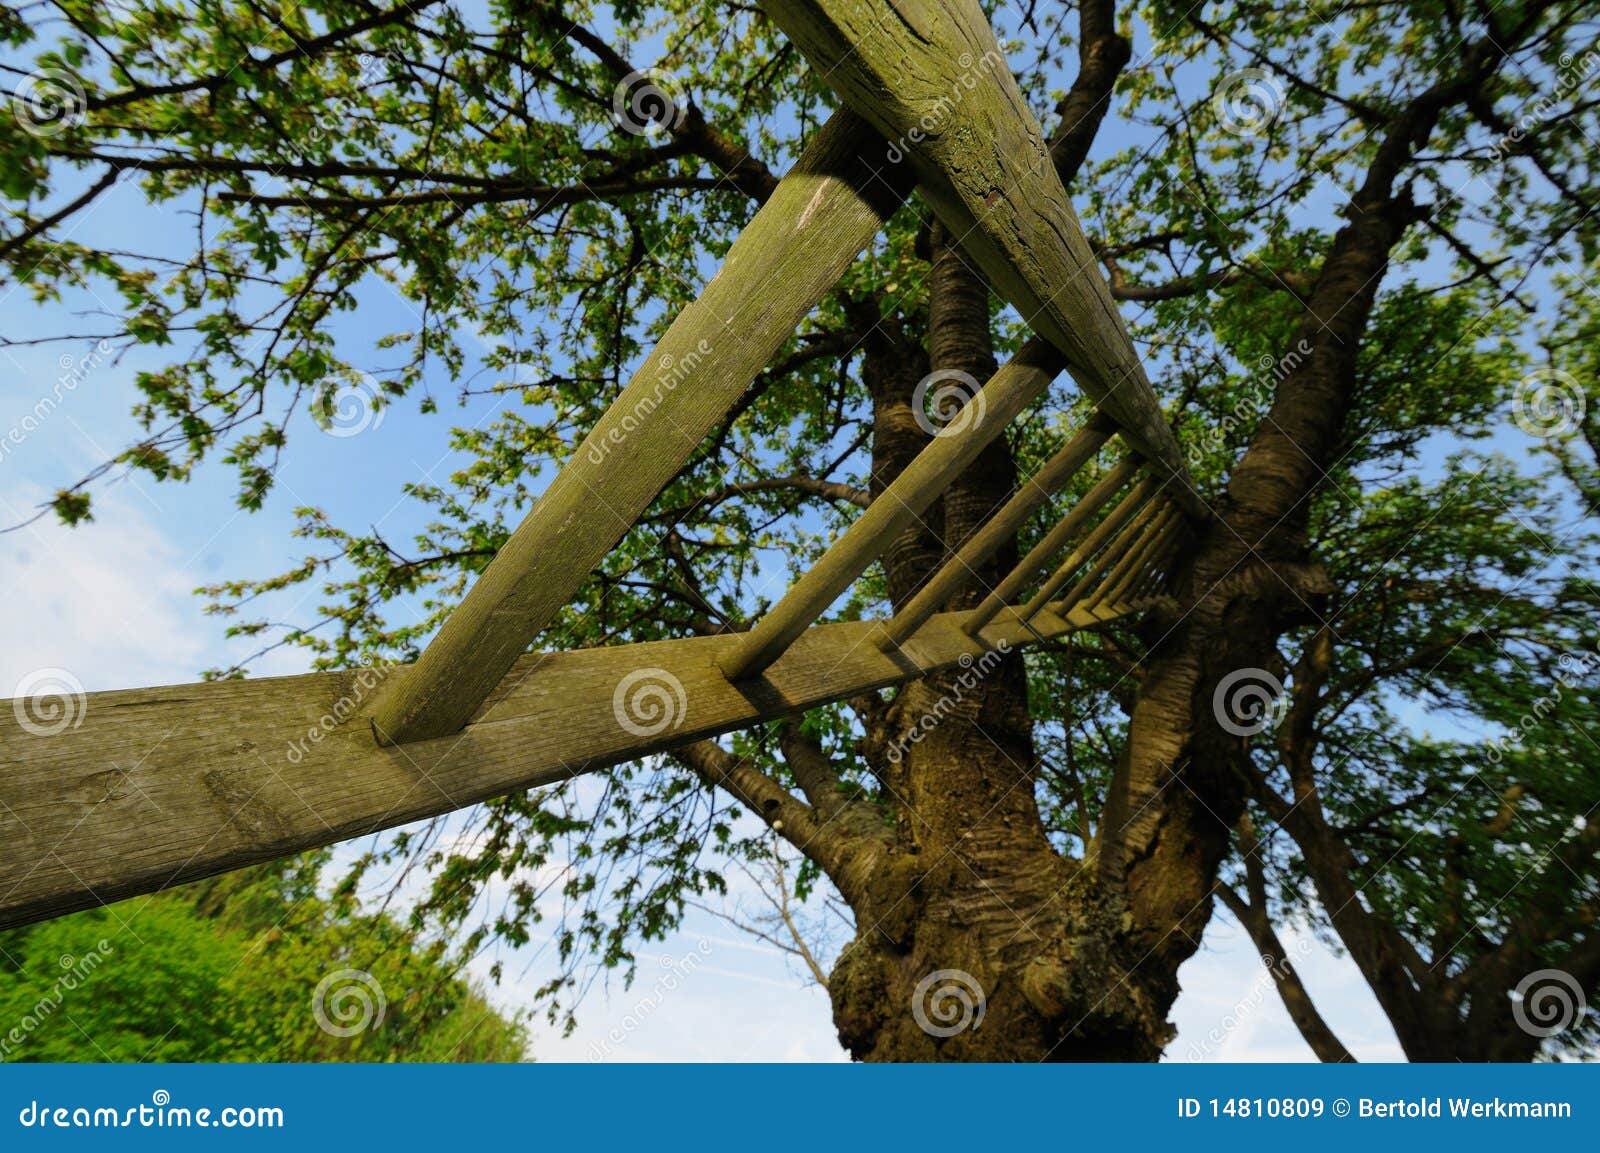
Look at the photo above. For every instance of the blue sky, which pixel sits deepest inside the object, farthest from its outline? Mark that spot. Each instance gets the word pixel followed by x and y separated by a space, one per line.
pixel 112 603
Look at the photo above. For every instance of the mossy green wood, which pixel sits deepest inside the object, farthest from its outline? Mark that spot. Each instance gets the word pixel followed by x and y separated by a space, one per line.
pixel 150 787
pixel 930 76
pixel 960 570
pixel 1017 384
pixel 822 214
pixel 1065 532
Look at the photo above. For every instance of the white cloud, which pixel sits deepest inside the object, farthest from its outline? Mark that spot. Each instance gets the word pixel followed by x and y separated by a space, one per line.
pixel 1230 1011
pixel 112 603
pixel 109 601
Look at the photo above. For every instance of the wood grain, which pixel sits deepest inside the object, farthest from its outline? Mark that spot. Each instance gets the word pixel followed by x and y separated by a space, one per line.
pixel 960 570
pixel 1017 384
pixel 932 80
pixel 1066 531
pixel 150 787
pixel 823 213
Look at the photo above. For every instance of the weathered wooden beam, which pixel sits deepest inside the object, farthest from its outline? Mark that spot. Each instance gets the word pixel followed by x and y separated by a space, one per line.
pixel 1065 532
pixel 1141 541
pixel 1161 564
pixel 822 214
pixel 930 76
pixel 960 570
pixel 129 792
pixel 1112 557
pixel 1092 544
pixel 1016 385
pixel 1131 571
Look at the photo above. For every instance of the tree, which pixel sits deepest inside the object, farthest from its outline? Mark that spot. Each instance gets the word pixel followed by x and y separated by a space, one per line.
pixel 253 966
pixel 1356 245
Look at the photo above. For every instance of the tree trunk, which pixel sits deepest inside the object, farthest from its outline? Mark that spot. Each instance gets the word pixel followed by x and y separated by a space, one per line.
pixel 976 940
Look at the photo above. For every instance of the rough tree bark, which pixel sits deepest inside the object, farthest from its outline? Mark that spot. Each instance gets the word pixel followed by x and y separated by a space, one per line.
pixel 1079 960
pixel 959 895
